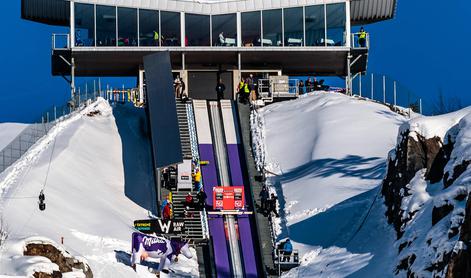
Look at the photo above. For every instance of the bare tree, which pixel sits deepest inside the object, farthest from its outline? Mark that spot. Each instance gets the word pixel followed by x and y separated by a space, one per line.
pixel 443 105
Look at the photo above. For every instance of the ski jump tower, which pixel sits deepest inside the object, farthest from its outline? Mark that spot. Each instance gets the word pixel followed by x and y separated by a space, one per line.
pixel 205 40
pixel 210 38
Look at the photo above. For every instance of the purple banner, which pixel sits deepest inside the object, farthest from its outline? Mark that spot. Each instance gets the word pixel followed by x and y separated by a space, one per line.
pixel 208 171
pixel 221 257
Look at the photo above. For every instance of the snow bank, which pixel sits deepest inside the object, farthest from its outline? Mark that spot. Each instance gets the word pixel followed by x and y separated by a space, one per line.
pixel 88 200
pixel 327 153
pixel 433 126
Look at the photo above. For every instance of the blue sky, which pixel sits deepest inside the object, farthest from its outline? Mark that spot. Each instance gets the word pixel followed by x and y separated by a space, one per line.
pixel 425 48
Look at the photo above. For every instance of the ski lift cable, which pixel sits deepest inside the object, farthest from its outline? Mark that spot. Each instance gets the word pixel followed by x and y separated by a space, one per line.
pixel 49 166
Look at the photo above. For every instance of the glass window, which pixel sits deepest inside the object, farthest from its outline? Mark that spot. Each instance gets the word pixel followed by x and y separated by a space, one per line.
pixel 84 25
pixel 127 27
pixel 105 26
pixel 149 28
pixel 336 19
pixel 315 25
pixel 170 28
pixel 251 28
pixel 293 18
pixel 272 28
pixel 225 30
pixel 197 30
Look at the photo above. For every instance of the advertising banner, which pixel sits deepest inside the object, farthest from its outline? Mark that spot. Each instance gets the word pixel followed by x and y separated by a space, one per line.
pixel 159 226
pixel 228 197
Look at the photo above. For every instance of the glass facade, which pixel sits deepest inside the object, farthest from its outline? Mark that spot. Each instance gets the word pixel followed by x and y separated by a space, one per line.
pixel 251 28
pixel 84 25
pixel 197 30
pixel 149 34
pixel 319 25
pixel 170 28
pixel 293 22
pixel 336 24
pixel 105 26
pixel 315 25
pixel 272 28
pixel 224 30
pixel 127 27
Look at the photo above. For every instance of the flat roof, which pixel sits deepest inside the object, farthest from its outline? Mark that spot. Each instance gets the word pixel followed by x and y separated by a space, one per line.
pixel 126 61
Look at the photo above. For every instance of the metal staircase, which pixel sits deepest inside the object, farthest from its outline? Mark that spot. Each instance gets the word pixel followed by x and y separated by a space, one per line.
pixel 191 217
pixel 182 116
pixel 196 226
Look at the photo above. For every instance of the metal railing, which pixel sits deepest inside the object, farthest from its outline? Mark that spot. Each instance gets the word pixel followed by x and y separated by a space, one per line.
pixel 270 89
pixel 286 261
pixel 35 131
pixel 386 90
pixel 356 42
pixel 60 41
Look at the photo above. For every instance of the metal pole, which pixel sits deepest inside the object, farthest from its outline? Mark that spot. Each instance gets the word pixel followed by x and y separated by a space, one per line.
pixel 72 78
pixel 384 88
pixel 372 86
pixel 158 187
pixel 420 105
pixel 395 93
pixel 349 76
pixel 94 88
pixel 55 113
pixel 359 84
pixel 99 87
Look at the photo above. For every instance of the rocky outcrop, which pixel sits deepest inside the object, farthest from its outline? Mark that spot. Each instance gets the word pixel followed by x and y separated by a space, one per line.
pixel 66 262
pixel 416 154
pixel 412 154
pixel 460 262
pixel 55 274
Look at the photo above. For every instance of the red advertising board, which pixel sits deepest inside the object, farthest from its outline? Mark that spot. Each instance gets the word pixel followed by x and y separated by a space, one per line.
pixel 228 197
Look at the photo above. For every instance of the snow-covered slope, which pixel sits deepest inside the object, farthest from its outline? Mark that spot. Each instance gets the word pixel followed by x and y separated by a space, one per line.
pixel 8 131
pixel 88 201
pixel 328 153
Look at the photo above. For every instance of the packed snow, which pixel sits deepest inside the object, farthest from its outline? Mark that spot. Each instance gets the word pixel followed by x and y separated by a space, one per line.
pixel 327 154
pixel 9 132
pixel 91 199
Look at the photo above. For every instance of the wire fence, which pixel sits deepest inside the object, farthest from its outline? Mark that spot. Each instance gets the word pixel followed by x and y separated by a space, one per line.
pixel 48 119
pixel 384 89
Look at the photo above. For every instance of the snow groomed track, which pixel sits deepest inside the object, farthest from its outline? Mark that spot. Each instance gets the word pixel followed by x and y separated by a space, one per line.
pixel 234 256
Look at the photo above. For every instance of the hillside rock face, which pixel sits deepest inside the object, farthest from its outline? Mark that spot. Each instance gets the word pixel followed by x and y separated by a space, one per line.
pixel 412 154
pixel 65 263
pixel 427 181
pixel 460 263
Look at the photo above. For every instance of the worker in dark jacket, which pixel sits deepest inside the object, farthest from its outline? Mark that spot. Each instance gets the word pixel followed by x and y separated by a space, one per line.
pixel 272 205
pixel 201 197
pixel 220 87
pixel 264 199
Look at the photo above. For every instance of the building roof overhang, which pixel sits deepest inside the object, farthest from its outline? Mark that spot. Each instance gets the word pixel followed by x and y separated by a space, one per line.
pixel 57 12
pixel 125 61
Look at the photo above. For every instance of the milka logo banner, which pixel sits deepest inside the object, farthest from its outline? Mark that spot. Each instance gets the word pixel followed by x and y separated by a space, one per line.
pixel 150 240
pixel 145 246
